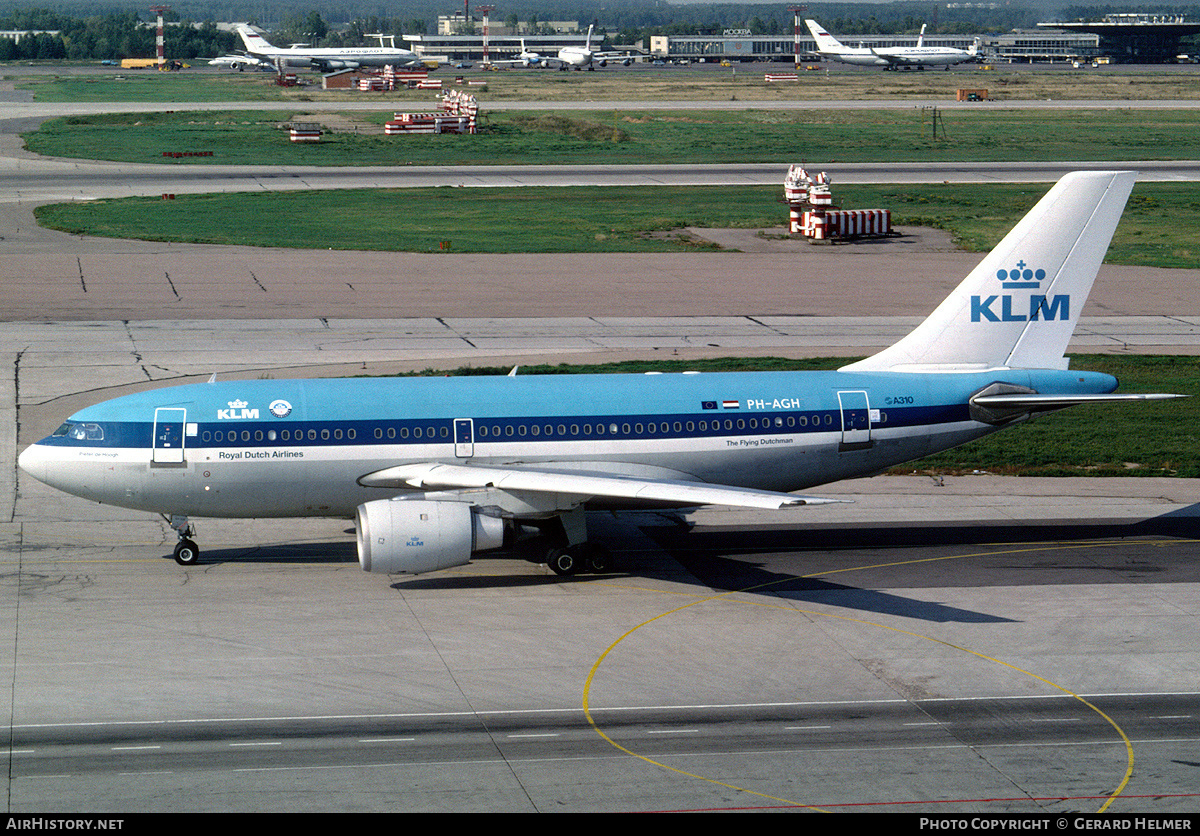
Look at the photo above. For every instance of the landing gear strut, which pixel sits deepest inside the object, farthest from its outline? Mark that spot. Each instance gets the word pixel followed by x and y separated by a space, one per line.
pixel 187 553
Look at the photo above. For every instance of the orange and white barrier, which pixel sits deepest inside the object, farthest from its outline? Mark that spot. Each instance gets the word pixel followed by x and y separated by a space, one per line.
pixel 459 115
pixel 304 134
pixel 811 211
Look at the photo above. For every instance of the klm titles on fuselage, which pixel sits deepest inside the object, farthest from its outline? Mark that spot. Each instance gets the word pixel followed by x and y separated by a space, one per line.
pixel 240 409
pixel 1010 308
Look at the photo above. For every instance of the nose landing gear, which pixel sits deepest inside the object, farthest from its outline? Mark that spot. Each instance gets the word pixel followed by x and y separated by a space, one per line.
pixel 187 553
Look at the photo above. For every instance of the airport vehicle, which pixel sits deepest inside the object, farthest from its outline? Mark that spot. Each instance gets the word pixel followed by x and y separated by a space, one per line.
pixel 436 469
pixel 240 63
pixel 890 58
pixel 582 57
pixel 325 60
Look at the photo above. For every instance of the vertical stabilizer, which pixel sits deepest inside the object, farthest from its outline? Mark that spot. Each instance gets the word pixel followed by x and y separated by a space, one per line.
pixel 1019 307
pixel 825 42
pixel 255 43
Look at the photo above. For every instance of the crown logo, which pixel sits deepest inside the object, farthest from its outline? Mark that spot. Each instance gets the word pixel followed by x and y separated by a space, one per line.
pixel 1022 277
pixel 238 404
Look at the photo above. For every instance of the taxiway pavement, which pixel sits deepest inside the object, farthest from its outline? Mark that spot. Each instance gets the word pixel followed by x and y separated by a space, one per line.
pixel 976 645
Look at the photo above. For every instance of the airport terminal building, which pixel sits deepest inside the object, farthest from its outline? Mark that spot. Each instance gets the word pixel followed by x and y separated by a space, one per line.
pixel 1121 38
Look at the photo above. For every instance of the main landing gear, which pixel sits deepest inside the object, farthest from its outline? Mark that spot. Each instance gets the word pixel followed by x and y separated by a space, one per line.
pixel 187 553
pixel 584 557
pixel 569 551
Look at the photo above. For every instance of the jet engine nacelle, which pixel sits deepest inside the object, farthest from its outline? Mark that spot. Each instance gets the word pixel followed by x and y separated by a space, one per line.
pixel 412 536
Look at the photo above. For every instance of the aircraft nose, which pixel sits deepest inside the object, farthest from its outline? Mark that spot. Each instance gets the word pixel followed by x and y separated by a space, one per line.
pixel 33 461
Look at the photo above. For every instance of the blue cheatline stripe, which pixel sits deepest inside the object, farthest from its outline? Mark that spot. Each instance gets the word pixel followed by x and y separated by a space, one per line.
pixel 283 433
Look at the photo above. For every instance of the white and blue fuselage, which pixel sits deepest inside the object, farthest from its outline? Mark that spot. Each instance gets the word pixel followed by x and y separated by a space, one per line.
pixel 435 469
pixel 294 448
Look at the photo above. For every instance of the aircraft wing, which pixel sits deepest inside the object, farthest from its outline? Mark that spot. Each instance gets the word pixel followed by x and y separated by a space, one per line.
pixel 581 483
pixel 893 60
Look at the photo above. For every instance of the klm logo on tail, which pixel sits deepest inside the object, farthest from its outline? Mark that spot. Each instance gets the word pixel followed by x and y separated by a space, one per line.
pixel 1011 308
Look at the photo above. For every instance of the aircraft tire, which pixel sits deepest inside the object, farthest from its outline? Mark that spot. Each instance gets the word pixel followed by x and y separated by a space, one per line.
pixel 563 562
pixel 187 553
pixel 597 558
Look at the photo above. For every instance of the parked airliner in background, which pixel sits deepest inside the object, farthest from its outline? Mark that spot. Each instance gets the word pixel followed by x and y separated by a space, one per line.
pixel 325 60
pixel 527 58
pixel 582 57
pixel 435 469
pixel 241 63
pixel 892 57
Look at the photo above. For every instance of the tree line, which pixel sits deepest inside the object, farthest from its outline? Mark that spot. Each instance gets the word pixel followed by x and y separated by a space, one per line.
pixel 111 36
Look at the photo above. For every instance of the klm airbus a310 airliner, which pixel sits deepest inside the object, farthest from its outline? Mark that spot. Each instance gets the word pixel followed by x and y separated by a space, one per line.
pixel 436 469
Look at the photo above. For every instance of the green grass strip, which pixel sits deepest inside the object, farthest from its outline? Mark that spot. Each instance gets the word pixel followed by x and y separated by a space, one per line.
pixel 1160 227
pixel 813 137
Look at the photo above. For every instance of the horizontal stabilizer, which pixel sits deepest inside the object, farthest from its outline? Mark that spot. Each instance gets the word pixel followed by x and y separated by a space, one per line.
pixel 1056 401
pixel 1004 408
pixel 584 484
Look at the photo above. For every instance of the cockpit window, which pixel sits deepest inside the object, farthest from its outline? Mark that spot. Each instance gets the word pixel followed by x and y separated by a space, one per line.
pixel 80 431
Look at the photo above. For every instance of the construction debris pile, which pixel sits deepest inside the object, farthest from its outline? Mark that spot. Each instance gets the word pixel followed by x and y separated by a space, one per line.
pixel 813 215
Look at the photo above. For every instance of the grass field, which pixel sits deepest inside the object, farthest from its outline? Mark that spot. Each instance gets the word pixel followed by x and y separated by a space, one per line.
pixel 596 219
pixel 743 82
pixel 1138 439
pixel 814 137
